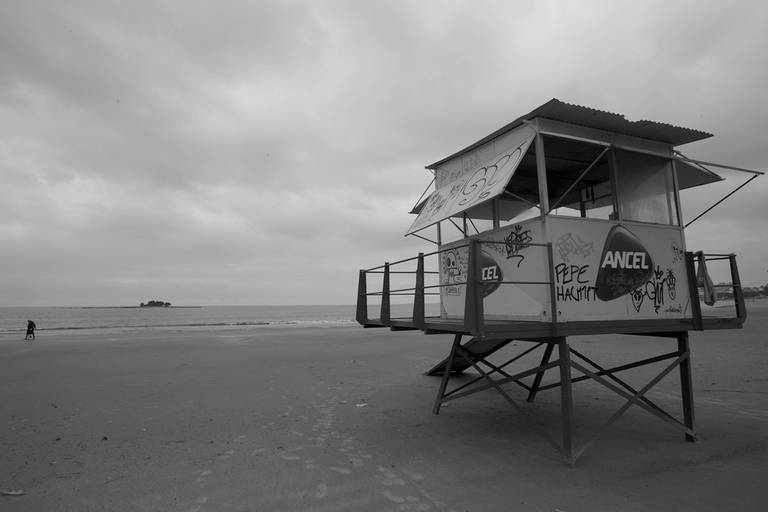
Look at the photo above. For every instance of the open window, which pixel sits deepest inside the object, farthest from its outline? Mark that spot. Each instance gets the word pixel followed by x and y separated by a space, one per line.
pixel 579 178
pixel 520 199
pixel 495 183
pixel 646 188
pixel 601 182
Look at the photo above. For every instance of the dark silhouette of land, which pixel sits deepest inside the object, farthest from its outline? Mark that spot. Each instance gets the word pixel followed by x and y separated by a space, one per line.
pixel 155 304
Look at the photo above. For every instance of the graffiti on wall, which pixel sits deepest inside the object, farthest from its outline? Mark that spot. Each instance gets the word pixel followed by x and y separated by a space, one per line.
pixel 474 185
pixel 625 268
pixel 677 253
pixel 572 245
pixel 517 240
pixel 586 275
pixel 454 267
pixel 435 203
pixel 663 284
pixel 477 187
pixel 572 283
pixel 480 183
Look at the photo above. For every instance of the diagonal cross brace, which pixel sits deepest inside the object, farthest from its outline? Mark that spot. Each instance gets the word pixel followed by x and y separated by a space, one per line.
pixel 468 356
pixel 461 352
pixel 610 374
pixel 496 384
pixel 633 399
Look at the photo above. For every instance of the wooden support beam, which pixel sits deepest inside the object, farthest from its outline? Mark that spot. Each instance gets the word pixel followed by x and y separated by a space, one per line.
pixel 539 375
pixel 686 385
pixel 418 300
pixel 566 399
pixel 385 305
pixel 738 293
pixel 362 300
pixel 473 301
pixel 693 290
pixel 446 374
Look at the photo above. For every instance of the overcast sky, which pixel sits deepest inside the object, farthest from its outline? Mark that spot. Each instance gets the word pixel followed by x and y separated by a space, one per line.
pixel 246 152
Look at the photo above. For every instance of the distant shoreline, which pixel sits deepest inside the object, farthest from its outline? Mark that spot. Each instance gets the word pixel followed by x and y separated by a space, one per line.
pixel 133 307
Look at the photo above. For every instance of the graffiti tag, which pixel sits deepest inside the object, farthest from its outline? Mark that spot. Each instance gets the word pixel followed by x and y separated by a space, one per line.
pixel 677 253
pixel 663 284
pixel 571 284
pixel 569 244
pixel 478 186
pixel 454 272
pixel 516 241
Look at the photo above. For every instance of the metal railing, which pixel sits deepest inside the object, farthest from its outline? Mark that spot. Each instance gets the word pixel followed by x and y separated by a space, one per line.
pixel 473 320
pixel 693 285
pixel 474 316
pixel 419 291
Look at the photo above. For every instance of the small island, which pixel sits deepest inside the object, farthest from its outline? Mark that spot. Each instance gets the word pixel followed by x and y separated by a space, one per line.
pixel 155 304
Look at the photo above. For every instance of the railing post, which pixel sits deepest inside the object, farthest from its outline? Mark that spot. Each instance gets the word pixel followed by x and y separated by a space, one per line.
pixel 362 300
pixel 385 309
pixel 473 305
pixel 738 293
pixel 693 290
pixel 552 290
pixel 418 299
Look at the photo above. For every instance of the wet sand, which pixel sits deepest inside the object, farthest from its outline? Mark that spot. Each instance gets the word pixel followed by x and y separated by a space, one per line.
pixel 340 419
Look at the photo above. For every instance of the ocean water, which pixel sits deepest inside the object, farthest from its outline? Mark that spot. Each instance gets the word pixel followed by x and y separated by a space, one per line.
pixel 14 319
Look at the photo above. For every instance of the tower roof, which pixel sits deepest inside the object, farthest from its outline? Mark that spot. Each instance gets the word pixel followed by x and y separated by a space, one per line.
pixel 557 110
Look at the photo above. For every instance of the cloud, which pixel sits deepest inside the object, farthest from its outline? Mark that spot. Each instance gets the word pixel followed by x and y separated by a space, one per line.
pixel 257 152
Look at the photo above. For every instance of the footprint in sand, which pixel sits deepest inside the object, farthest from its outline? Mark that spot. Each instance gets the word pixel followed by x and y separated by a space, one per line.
pixel 389 477
pixel 413 476
pixel 409 480
pixel 227 454
pixel 199 502
pixel 394 498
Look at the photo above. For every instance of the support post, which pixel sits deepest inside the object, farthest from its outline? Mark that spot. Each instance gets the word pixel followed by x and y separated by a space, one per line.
pixel 473 300
pixel 385 308
pixel 566 399
pixel 686 386
pixel 362 300
pixel 537 380
pixel 738 293
pixel 418 300
pixel 552 289
pixel 693 290
pixel 541 174
pixel 446 374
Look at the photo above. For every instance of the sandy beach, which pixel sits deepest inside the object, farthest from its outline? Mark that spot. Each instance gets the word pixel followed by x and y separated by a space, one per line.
pixel 294 419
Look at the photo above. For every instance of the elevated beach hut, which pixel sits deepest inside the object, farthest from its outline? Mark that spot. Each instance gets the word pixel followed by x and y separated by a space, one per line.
pixel 565 222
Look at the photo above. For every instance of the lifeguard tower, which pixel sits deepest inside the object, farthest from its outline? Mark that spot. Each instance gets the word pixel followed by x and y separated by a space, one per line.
pixel 568 223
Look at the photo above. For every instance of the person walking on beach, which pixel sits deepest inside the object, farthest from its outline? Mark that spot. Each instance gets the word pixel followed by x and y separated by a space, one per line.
pixel 30 330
